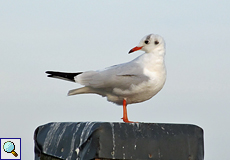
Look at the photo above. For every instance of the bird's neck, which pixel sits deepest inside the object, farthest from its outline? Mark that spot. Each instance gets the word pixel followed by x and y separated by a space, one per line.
pixel 153 61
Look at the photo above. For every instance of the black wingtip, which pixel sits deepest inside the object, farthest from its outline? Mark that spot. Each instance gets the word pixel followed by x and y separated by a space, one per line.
pixel 49 73
pixel 62 75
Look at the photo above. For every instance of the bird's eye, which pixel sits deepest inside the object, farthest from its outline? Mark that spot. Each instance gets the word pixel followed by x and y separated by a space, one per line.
pixel 156 42
pixel 146 42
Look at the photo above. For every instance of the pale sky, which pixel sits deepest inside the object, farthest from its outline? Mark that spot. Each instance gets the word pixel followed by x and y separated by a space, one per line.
pixel 36 36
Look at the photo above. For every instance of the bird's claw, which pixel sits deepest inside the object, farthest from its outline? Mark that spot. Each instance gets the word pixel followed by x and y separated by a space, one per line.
pixel 127 121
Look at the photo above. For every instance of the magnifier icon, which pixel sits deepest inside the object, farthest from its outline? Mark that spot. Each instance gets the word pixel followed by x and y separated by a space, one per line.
pixel 9 147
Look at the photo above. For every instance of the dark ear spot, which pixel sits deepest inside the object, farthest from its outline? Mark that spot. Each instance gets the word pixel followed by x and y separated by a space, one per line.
pixel 156 42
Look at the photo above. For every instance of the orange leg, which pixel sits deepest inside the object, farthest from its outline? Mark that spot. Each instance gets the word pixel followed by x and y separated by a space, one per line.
pixel 125 116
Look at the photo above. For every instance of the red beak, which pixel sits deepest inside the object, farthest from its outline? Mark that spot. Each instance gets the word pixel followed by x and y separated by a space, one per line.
pixel 135 49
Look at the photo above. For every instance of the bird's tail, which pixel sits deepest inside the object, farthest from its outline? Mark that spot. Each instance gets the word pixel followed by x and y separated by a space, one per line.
pixel 63 75
pixel 82 90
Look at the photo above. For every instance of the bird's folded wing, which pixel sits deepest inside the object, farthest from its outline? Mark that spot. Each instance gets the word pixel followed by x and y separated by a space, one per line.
pixel 119 76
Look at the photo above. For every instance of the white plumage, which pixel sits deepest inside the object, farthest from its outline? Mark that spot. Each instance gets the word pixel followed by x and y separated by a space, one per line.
pixel 133 82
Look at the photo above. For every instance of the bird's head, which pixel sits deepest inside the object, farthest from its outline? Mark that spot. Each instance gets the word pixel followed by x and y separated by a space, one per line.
pixel 150 43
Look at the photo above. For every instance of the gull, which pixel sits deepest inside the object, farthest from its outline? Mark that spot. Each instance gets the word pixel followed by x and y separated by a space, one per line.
pixel 127 83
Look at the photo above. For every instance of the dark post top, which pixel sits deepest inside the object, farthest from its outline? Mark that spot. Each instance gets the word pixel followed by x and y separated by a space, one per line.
pixel 104 140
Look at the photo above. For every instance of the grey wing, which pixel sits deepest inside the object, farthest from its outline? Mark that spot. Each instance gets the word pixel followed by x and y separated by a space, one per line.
pixel 118 76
